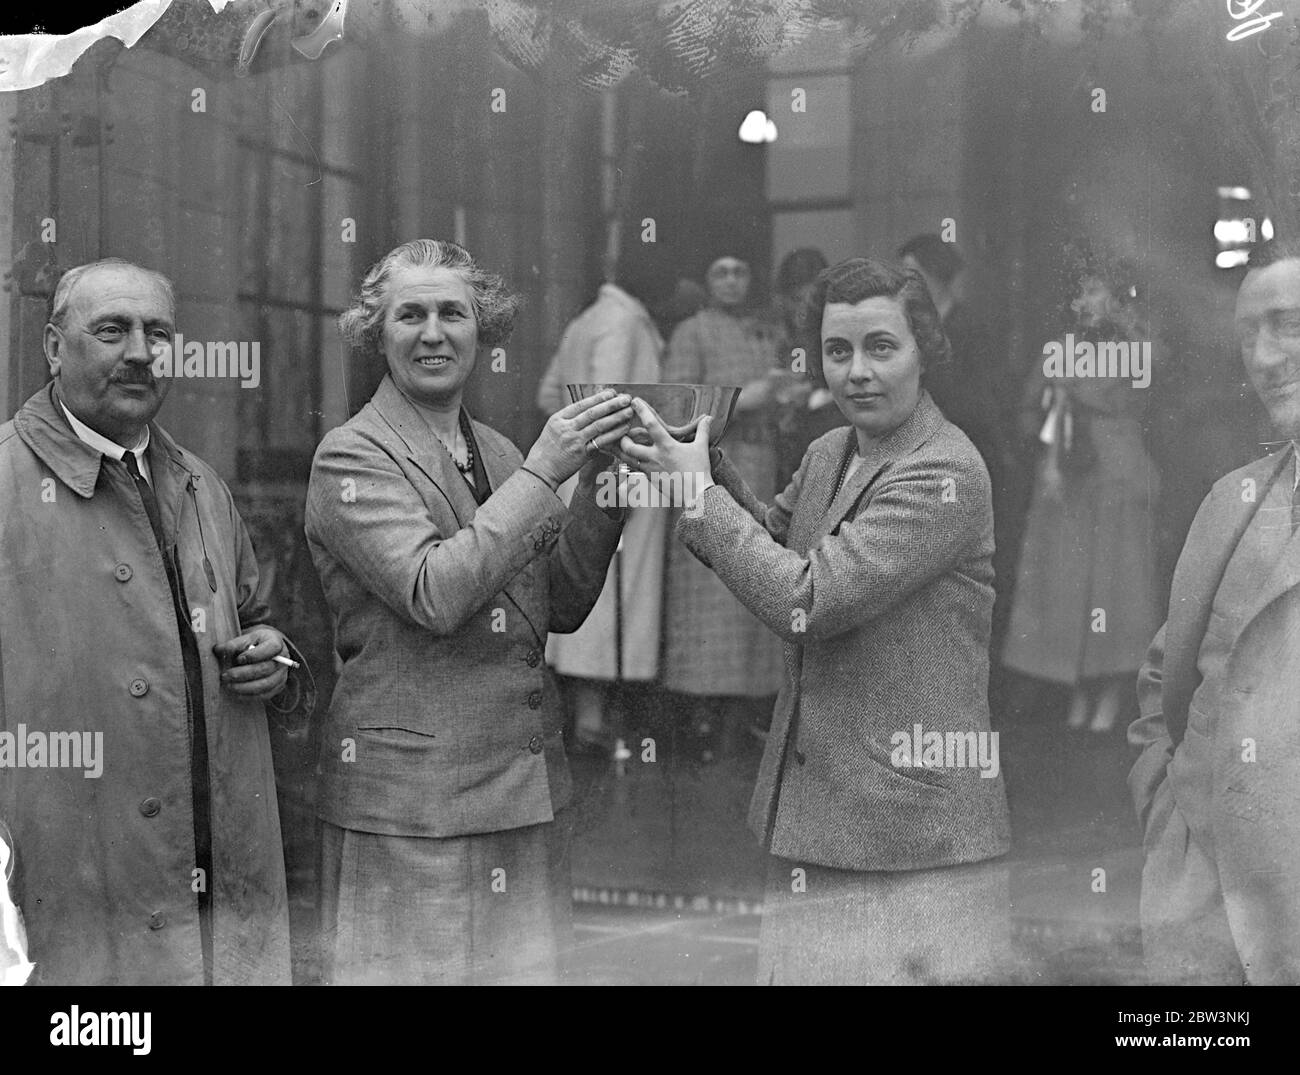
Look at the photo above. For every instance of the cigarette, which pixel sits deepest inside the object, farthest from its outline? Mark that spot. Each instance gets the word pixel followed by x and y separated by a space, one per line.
pixel 280 658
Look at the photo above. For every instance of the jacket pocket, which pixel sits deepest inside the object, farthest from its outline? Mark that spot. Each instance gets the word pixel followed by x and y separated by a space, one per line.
pixel 396 732
pixel 932 776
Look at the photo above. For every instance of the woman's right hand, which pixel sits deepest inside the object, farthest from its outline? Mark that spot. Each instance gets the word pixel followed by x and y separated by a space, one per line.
pixel 571 435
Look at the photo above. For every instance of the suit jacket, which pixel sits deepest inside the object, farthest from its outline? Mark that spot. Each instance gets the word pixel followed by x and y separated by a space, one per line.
pixel 1254 804
pixel 444 713
pixel 883 595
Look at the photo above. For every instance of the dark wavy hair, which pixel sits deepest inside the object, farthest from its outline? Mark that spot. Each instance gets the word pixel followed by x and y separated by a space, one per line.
pixel 1271 251
pixel 495 306
pixel 856 279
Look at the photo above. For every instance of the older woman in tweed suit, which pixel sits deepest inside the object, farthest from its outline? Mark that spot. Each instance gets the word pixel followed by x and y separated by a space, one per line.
pixel 446 557
pixel 879 793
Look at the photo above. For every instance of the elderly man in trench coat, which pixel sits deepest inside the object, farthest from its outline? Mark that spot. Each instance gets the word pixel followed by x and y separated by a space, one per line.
pixel 135 759
pixel 1217 785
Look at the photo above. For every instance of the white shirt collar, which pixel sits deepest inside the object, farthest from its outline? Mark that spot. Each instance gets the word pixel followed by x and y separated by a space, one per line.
pixel 107 447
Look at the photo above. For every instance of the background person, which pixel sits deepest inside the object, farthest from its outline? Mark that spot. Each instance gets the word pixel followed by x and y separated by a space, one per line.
pixel 806 408
pixel 1090 533
pixel 716 653
pixel 614 340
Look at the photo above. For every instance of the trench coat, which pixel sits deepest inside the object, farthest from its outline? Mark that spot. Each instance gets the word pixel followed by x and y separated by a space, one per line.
pixel 882 594
pixel 1253 801
pixel 88 642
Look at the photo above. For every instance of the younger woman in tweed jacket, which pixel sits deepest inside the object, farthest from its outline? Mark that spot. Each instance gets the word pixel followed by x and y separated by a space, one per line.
pixel 874 566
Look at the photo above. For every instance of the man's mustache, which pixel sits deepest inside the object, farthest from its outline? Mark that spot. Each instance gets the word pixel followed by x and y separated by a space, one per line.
pixel 135 375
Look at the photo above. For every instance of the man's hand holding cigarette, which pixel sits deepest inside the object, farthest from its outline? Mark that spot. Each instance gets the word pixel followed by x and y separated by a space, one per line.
pixel 254 663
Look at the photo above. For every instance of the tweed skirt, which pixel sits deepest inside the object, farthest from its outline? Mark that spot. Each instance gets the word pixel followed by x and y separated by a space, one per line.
pixel 948 925
pixel 488 909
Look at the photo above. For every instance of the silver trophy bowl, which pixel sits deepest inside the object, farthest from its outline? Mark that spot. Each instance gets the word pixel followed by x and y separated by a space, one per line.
pixel 679 406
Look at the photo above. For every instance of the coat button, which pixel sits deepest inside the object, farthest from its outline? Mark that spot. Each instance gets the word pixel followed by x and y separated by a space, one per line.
pixel 157 920
pixel 535 744
pixel 122 572
pixel 150 806
pixel 534 658
pixel 139 688
pixel 799 757
pixel 535 700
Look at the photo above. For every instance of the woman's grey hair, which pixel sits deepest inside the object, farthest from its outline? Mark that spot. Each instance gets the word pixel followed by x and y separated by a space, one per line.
pixel 495 305
pixel 68 281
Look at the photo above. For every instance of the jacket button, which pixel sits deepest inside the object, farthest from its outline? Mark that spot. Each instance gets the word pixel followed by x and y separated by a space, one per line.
pixel 139 688
pixel 535 700
pixel 150 807
pixel 122 572
pixel 157 920
pixel 535 744
pixel 534 658
pixel 799 757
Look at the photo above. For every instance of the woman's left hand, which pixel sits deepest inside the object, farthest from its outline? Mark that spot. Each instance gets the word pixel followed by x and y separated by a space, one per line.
pixel 667 455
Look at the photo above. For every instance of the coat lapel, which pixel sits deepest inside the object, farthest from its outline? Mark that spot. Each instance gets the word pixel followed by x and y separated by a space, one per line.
pixel 424 449
pixel 1286 572
pixel 920 425
pixel 1206 553
pixel 42 427
pixel 817 490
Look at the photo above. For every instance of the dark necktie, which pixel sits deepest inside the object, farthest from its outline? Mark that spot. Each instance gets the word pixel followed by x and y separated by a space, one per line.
pixel 200 787
pixel 146 494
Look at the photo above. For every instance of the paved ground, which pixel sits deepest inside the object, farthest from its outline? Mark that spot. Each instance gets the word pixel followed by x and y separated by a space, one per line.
pixel 668 880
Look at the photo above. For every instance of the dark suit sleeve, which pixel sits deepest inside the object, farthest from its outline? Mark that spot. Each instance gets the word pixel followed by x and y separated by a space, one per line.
pixel 253 605
pixel 365 511
pixel 908 534
pixel 1149 732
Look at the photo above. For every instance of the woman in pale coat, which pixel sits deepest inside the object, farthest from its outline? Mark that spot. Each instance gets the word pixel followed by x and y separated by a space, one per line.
pixel 874 568
pixel 614 340
pixel 446 557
